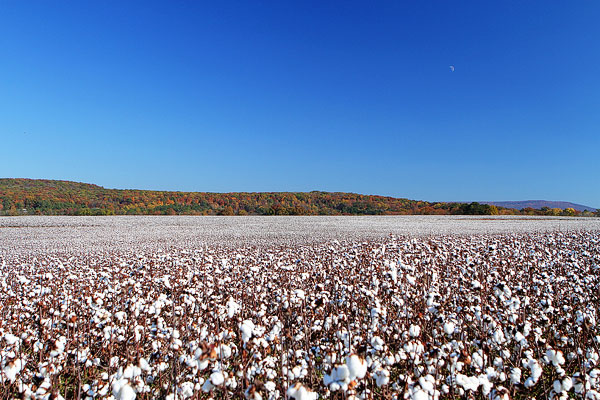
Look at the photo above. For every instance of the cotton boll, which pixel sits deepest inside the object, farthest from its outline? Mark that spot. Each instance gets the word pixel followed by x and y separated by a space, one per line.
pixel 247 327
pixel 11 339
pixel 536 372
pixel 382 377
pixel 563 385
pixel 232 307
pixel 217 378
pixel 12 369
pixel 468 382
pixel 340 375
pixel 144 366
pixel 414 330
pixel 299 392
pixel 122 390
pixel 419 395
pixel 377 343
pixel 501 394
pixel 427 383
pixel 449 328
pixel 126 393
pixel 555 357
pixel 515 376
pixel 477 360
pixel 120 316
pixel 131 372
pixel 486 385
pixel 357 367
pixel 225 351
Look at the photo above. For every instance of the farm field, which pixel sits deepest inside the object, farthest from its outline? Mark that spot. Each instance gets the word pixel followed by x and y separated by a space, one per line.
pixel 299 307
pixel 68 234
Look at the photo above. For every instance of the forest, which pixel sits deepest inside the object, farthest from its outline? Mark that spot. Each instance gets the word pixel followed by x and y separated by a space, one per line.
pixel 54 197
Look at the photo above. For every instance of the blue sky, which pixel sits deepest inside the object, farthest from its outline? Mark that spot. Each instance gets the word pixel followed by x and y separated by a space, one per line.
pixel 283 96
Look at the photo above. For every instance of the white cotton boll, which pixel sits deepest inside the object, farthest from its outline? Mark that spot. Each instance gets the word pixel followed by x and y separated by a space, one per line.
pixel 225 351
pixel 419 395
pixel 125 393
pixel 377 343
pixel 339 375
pixel 449 327
pixel 475 284
pixel 562 386
pixel 330 358
pixel 529 382
pixel 515 376
pixel 427 384
pixel 389 359
pixel 536 372
pixel 295 372
pixel 11 339
pixel 414 330
pixel 203 364
pixel 357 367
pixel 122 391
pixel 12 369
pixel 37 346
pixel 592 395
pixel 555 357
pixel 477 360
pixel 501 394
pixel 498 336
pixel 232 307
pixel 186 390
pixel 299 392
pixel 217 378
pixel 299 293
pixel 335 387
pixel 45 386
pixel 411 279
pixel 120 316
pixel 247 327
pixel 486 385
pixel 144 366
pixel 375 312
pixel 467 382
pixel 519 338
pixel 394 272
pixel 382 377
pixel 131 372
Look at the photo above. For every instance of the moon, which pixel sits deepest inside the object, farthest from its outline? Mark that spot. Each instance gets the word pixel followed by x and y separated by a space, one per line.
pixel 452 68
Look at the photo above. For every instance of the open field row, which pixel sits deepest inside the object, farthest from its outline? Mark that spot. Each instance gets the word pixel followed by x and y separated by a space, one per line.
pixel 69 234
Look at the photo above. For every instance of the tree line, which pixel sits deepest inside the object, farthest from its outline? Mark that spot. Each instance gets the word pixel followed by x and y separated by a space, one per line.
pixel 51 197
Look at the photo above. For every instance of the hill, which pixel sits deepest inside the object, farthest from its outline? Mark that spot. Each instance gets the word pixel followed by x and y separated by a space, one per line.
pixel 53 197
pixel 539 204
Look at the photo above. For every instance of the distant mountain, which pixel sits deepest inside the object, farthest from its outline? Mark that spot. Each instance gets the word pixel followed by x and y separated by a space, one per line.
pixel 538 204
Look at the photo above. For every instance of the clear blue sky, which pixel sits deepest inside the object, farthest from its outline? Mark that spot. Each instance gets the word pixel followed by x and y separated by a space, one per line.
pixel 283 96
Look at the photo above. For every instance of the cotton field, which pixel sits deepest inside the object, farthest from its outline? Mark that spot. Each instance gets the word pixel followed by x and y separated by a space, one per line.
pixel 489 316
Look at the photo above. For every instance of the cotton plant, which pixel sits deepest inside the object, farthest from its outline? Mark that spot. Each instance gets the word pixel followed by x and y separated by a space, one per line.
pixel 494 316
